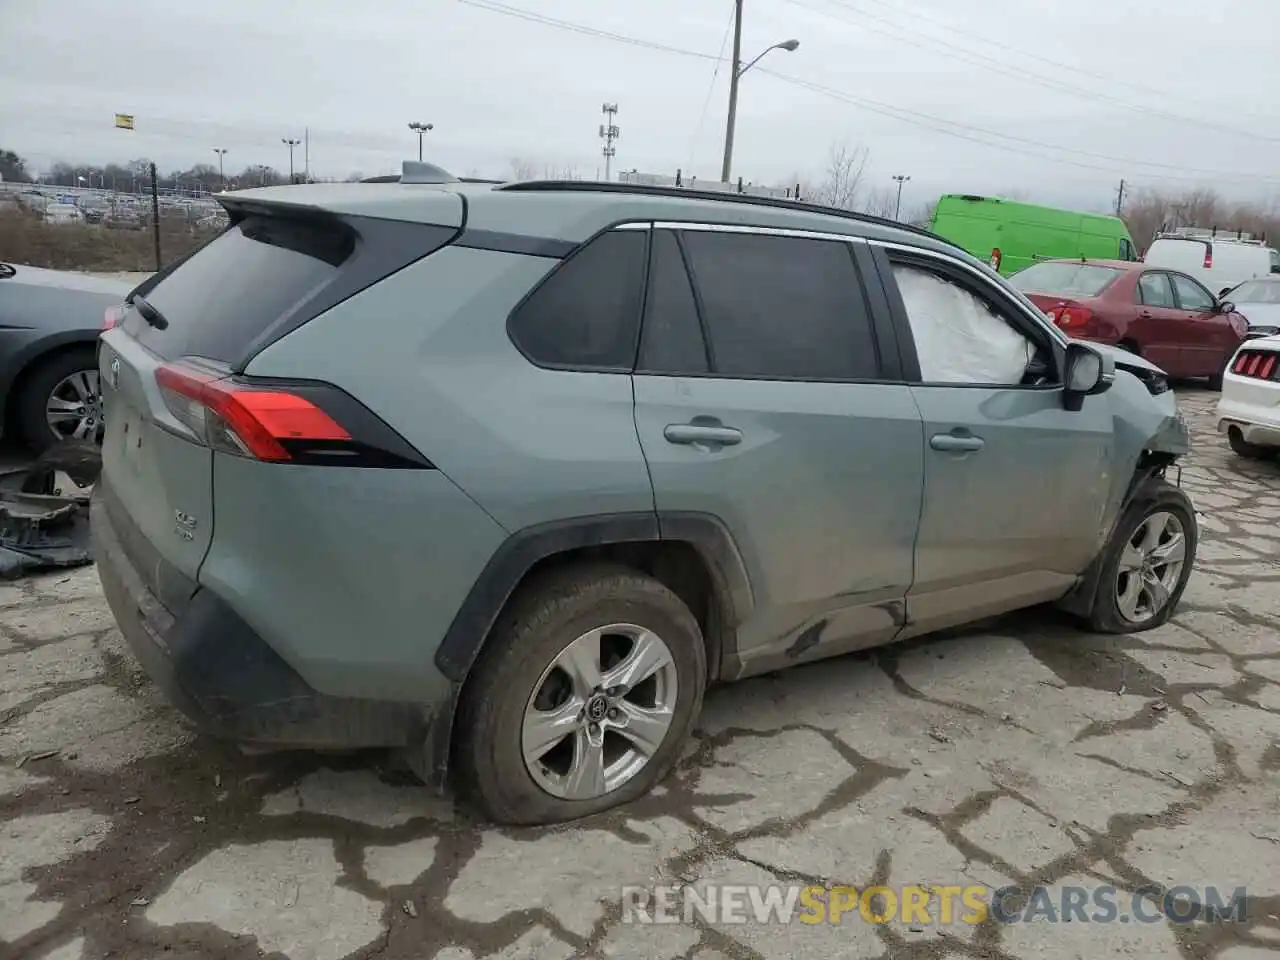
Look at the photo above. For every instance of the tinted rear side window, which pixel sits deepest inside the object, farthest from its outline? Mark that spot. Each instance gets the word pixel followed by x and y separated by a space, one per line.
pixel 586 314
pixel 221 299
pixel 672 341
pixel 782 307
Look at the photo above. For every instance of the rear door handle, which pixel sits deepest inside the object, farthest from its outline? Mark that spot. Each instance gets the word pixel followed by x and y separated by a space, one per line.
pixel 953 443
pixel 697 433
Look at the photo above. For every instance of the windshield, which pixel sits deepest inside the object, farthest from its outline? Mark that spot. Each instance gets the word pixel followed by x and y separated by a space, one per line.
pixel 1065 279
pixel 1256 291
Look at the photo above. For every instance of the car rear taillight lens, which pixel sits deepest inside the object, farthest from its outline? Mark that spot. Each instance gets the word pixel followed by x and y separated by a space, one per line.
pixel 247 421
pixel 1208 256
pixel 996 257
pixel 1268 367
pixel 1075 317
pixel 113 316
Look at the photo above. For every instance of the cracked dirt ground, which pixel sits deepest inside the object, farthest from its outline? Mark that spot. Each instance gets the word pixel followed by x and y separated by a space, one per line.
pixel 1023 752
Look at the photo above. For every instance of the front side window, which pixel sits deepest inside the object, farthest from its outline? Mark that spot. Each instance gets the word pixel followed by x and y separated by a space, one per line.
pixel 782 308
pixel 960 337
pixel 1154 291
pixel 585 315
pixel 1192 296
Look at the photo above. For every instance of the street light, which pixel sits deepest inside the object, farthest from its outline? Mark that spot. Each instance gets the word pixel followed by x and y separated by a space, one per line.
pixel 897 207
pixel 420 129
pixel 291 144
pixel 735 76
pixel 221 152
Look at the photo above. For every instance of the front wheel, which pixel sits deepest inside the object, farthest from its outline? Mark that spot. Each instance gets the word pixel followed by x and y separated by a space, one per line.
pixel 582 698
pixel 1147 562
pixel 61 400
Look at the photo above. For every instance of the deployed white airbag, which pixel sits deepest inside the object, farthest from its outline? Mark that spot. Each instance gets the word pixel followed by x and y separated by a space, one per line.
pixel 958 338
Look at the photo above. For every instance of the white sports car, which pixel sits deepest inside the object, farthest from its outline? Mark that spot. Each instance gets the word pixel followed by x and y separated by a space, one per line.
pixel 1249 409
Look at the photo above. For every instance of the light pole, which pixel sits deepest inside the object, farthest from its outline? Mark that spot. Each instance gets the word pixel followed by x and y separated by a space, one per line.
pixel 420 129
pixel 291 144
pixel 609 132
pixel 897 207
pixel 735 76
pixel 222 179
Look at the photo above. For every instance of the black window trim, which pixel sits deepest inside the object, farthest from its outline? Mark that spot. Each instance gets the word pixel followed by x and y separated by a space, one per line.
pixel 1168 282
pixel 1028 320
pixel 886 362
pixel 622 226
pixel 1177 297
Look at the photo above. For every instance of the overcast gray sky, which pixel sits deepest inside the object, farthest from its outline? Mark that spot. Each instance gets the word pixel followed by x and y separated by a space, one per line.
pixel 1057 100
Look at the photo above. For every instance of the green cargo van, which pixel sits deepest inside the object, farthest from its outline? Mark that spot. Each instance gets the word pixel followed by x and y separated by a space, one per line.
pixel 1011 235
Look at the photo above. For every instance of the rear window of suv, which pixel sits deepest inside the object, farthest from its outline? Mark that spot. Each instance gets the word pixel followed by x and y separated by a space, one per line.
pixel 221 299
pixel 1065 279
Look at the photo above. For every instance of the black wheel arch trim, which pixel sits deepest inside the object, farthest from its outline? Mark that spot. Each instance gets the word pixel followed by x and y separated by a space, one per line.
pixel 518 554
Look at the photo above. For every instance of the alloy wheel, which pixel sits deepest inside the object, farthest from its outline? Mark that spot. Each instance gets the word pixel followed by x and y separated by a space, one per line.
pixel 1151 565
pixel 599 712
pixel 74 407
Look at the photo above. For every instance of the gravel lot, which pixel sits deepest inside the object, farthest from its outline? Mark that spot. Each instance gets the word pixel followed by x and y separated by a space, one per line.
pixel 1024 753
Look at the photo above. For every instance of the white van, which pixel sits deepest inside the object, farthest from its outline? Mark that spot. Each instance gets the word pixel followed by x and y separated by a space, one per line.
pixel 1217 262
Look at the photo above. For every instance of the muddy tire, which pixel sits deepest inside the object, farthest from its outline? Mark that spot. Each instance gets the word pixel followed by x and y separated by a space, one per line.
pixel 1146 564
pixel 604 664
pixel 1243 448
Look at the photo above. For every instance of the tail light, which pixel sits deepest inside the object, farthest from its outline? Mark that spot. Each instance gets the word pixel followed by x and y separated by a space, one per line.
pixel 112 316
pixel 996 257
pixel 1260 364
pixel 1208 255
pixel 1070 315
pixel 300 423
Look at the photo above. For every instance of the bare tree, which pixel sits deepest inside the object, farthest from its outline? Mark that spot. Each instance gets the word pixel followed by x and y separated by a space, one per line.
pixel 523 169
pixel 567 171
pixel 921 214
pixel 842 178
pixel 881 202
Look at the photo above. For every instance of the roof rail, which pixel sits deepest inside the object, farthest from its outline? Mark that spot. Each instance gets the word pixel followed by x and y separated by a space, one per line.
pixel 397 178
pixel 639 189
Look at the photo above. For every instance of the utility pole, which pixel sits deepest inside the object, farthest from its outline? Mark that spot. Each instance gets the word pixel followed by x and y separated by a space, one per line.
pixel 290 144
pixel 734 75
pixel 1120 199
pixel 897 207
pixel 222 179
pixel 609 133
pixel 306 155
pixel 420 129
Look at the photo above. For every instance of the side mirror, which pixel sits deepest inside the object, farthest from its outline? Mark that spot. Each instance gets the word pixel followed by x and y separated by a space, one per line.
pixel 1224 306
pixel 1086 373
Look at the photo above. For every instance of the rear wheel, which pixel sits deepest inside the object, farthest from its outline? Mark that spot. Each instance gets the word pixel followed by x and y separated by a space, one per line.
pixel 60 400
pixel 582 698
pixel 1243 448
pixel 1147 562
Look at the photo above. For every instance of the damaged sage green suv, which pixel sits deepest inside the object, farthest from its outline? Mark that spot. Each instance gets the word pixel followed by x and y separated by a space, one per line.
pixel 505 476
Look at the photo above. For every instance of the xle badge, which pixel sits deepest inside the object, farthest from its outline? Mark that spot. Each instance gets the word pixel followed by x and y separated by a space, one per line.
pixel 184 525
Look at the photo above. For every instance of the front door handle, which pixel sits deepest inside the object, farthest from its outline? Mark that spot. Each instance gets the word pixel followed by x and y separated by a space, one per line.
pixel 955 443
pixel 1145 315
pixel 698 433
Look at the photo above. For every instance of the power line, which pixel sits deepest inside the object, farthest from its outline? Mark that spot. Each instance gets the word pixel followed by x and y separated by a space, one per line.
pixel 1046 61
pixel 1018 73
pixel 964 131
pixel 494 7
pixel 967 131
pixel 711 88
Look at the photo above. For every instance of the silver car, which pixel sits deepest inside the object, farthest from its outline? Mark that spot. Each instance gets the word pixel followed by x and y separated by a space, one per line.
pixel 1259 302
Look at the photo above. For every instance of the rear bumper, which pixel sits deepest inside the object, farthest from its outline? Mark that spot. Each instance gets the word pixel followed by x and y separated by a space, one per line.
pixel 231 684
pixel 1253 407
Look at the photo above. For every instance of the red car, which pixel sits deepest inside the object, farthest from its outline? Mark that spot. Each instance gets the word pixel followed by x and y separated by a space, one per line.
pixel 1161 314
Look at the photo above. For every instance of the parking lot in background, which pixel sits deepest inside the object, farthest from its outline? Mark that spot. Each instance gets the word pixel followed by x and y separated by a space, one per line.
pixel 1021 753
